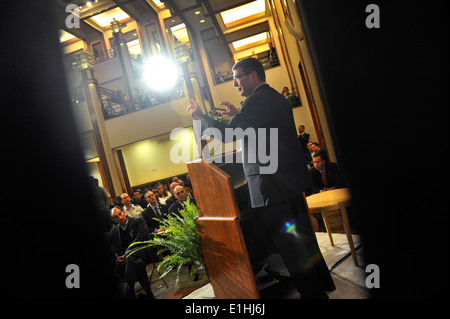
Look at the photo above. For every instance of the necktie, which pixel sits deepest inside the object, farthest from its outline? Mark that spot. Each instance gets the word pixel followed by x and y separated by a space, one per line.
pixel 157 211
pixel 324 179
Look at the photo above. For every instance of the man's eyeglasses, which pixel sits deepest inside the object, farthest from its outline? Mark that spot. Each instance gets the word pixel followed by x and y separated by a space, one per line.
pixel 238 77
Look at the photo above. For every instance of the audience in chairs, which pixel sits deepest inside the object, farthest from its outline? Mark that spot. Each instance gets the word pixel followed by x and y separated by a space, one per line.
pixel 181 195
pixel 138 199
pixel 325 175
pixel 130 209
pixel 316 150
pixel 153 210
pixel 131 261
pixel 172 199
pixel 163 194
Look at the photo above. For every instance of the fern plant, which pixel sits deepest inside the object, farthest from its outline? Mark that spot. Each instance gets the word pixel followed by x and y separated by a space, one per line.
pixel 181 240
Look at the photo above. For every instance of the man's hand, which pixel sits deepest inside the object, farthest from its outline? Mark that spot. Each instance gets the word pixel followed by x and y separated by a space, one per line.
pixel 194 110
pixel 231 109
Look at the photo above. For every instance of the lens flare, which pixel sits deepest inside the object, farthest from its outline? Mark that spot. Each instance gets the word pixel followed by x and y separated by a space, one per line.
pixel 305 261
pixel 290 228
pixel 160 73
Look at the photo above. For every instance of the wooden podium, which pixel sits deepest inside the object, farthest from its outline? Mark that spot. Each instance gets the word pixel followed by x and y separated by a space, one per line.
pixel 219 226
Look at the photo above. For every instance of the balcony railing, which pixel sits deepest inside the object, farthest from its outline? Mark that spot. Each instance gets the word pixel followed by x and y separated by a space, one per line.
pixel 102 56
pixel 115 104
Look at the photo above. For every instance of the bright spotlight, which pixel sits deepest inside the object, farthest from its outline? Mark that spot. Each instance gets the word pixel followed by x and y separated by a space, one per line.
pixel 160 73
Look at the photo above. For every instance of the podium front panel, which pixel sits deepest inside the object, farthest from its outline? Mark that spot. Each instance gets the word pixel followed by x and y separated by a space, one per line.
pixel 213 190
pixel 227 258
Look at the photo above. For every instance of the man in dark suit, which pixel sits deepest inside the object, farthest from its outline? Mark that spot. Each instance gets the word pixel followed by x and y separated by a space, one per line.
pixel 272 55
pixel 138 199
pixel 131 260
pixel 264 122
pixel 180 194
pixel 325 175
pixel 303 138
pixel 154 210
pixel 315 148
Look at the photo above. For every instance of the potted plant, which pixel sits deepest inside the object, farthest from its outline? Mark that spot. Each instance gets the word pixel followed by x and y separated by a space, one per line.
pixel 180 240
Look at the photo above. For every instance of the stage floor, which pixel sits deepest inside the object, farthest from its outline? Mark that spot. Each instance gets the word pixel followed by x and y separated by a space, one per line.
pixel 349 279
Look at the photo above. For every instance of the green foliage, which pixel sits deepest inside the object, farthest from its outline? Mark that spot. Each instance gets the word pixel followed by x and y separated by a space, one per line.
pixel 181 240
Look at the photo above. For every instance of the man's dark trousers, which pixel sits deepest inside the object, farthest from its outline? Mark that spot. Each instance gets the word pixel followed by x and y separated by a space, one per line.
pixel 288 225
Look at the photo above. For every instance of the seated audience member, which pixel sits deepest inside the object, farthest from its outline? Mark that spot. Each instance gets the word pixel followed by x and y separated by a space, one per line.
pixel 130 267
pixel 180 194
pixel 130 209
pixel 153 210
pixel 163 194
pixel 172 198
pixel 138 199
pixel 325 175
pixel 311 152
pixel 116 202
pixel 155 190
pixel 187 189
pixel 308 155
pixel 316 150
pixel 333 178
